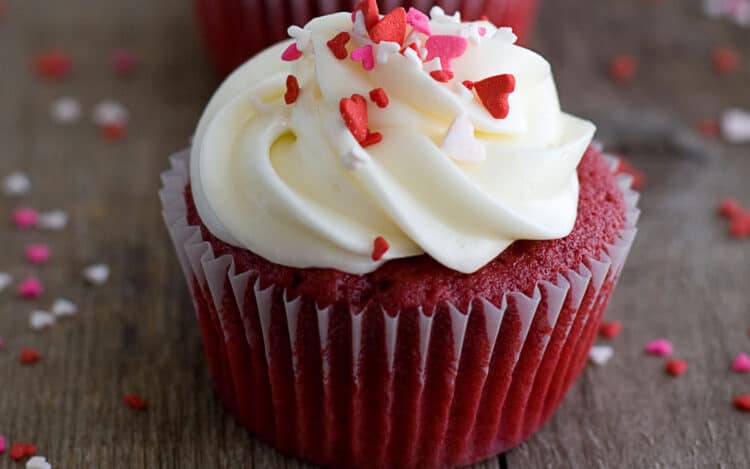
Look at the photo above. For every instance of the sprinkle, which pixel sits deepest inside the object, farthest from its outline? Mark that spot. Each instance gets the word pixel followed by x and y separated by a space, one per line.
pixel 364 55
pixel 354 112
pixel 114 132
pixel 109 112
pixel 379 247
pixel 370 12
pixel 623 68
pixel 494 92
pixel 468 84
pixel 16 184
pixel 22 450
pixel 30 288
pixel 53 221
pixel 725 60
pixel 447 48
pixel 25 218
pixel 505 35
pixel 413 56
pixel 3 446
pixel 610 330
pixel 676 367
pixel 739 226
pixel 123 62
pixel 359 28
pixel 291 53
pixel 443 76
pixel 52 65
pixel 729 207
pixel 134 401
pixel 372 138
pixel 301 36
pixel 37 253
pixel 418 20
pixel 659 347
pixel 599 355
pixel 735 125
pixel 461 145
pixel 742 402
pixel 29 356
pixel 438 14
pixel 708 128
pixel 379 97
pixel 63 308
pixel 39 320
pixel 741 363
pixel 292 90
pixel 391 28
pixel 338 45
pixel 2 346
pixel 384 51
pixel 96 274
pixel 65 110
pixel 38 462
pixel 5 280
pixel 354 157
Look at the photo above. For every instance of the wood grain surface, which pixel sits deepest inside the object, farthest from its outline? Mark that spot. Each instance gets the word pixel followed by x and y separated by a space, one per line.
pixel 685 280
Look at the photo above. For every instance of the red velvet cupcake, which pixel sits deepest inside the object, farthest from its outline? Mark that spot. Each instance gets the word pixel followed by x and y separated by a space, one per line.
pixel 234 30
pixel 399 254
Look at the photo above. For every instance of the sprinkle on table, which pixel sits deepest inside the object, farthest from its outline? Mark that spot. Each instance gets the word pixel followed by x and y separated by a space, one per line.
pixel 31 288
pixel 16 184
pixel 292 90
pixel 659 347
pixel 65 110
pixel 38 462
pixel 96 274
pixel 708 128
pixel 5 280
pixel 123 62
pixel 53 64
pixel 623 68
pixel 25 218
pixel 725 60
pixel 134 401
pixel 735 125
pixel 379 247
pixel 3 445
pixel 29 356
pixel 55 220
pixel 610 329
pixel 742 402
pixel 676 367
pixel 110 112
pixel 729 207
pixel 22 450
pixel 599 355
pixel 63 308
pixel 39 320
pixel 114 132
pixel 741 363
pixel 37 254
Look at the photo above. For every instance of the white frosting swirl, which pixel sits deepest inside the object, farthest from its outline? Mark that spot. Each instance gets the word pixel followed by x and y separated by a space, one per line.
pixel 291 183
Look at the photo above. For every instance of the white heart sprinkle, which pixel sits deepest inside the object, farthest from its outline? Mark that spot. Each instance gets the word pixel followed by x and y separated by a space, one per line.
pixel 63 308
pixel 41 319
pixel 5 280
pixel 96 274
pixel 505 35
pixel 110 112
pixel 354 158
pixel 66 110
pixel 461 145
pixel 735 125
pixel 438 14
pixel 360 27
pixel 38 462
pixel 412 55
pixel 385 50
pixel 599 355
pixel 53 221
pixel 301 36
pixel 17 183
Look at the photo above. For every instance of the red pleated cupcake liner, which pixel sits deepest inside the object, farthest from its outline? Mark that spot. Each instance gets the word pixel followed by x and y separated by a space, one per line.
pixel 377 389
pixel 237 29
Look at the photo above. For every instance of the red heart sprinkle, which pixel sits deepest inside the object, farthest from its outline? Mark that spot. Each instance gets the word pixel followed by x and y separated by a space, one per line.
pixel 354 112
pixel 391 28
pixel 379 97
pixel 292 90
pixel 494 92
pixel 443 76
pixel 676 367
pixel 729 207
pixel 379 247
pixel 22 450
pixel 338 45
pixel 369 8
pixel 29 356
pixel 468 84
pixel 708 128
pixel 371 139
pixel 623 68
pixel 739 227
pixel 52 65
pixel 610 330
pixel 742 402
pixel 725 60
pixel 114 132
pixel 134 401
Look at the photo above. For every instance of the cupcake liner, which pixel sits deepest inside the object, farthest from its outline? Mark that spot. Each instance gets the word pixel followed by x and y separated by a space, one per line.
pixel 404 389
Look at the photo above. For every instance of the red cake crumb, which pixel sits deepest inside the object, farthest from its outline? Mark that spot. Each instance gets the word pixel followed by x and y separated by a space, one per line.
pixel 403 283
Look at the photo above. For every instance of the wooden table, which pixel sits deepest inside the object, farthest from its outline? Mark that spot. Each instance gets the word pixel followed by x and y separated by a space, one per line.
pixel 686 279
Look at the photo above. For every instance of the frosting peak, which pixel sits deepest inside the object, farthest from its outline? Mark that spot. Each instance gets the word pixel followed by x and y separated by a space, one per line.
pixel 376 138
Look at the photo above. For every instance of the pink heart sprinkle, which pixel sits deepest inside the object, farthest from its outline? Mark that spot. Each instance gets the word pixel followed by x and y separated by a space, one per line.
pixel 123 62
pixel 3 447
pixel 30 288
pixel 364 55
pixel 25 218
pixel 419 21
pixel 446 48
pixel 741 363
pixel 659 347
pixel 37 253
pixel 291 53
pixel 482 31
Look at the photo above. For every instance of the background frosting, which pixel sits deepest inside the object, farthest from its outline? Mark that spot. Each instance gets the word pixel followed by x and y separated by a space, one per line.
pixel 291 183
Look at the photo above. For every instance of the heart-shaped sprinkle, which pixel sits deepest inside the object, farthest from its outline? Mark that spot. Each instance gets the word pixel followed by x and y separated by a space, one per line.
pixel 65 110
pixel 123 62
pixel 729 207
pixel 292 90
pixel 659 347
pixel 53 65
pixel 291 53
pixel 134 401
pixel 735 125
pixel 725 60
pixel 379 247
pixel 2 444
pixel 337 45
pixel 623 68
pixel 110 112
pixel 599 355
pixel 17 184
pixel 96 274
pixel 371 139
pixel 41 319
pixel 443 76
pixel 301 36
pixel 25 218
pixel 505 35
pixel 29 356
pixel 391 28
pixel 354 157
pixel 461 145
pixel 610 330
pixel 385 50
pixel 114 132
pixel 38 462
pixel 364 55
pixel 468 84
pixel 63 308
pixel 37 253
pixel 354 112
pixel 379 97
pixel 742 402
pixel 446 47
pixel 741 363
pixel 494 92
pixel 30 288
pixel 676 367
pixel 370 12
pixel 22 450
pixel 53 221
pixel 418 20
pixel 5 280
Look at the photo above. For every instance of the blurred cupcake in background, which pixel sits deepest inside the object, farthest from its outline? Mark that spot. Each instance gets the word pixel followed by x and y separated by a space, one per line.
pixel 237 29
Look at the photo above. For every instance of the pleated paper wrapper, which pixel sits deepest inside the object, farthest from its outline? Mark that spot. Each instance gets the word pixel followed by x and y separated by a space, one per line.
pixel 370 389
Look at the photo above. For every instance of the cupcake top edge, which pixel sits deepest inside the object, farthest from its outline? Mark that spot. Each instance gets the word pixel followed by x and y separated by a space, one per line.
pixel 367 137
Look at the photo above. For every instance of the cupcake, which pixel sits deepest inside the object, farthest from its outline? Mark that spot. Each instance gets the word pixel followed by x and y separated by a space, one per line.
pixel 235 30
pixel 398 246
